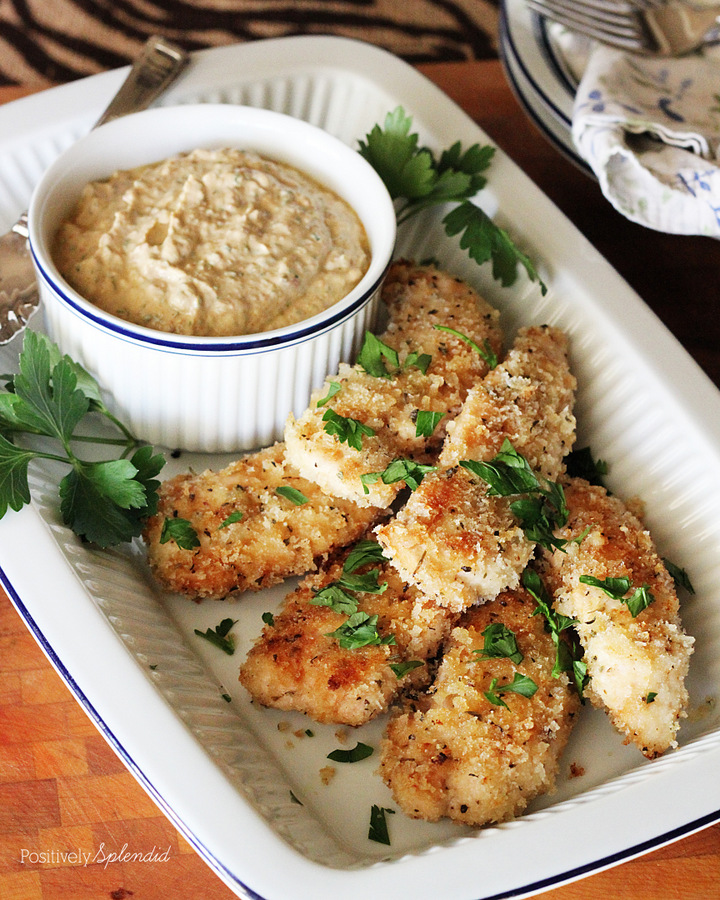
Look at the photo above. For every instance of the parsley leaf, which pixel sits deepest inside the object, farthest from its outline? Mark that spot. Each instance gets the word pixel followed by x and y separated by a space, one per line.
pixel 568 652
pixel 485 352
pixel 220 636
pixel 374 356
pixel 401 669
pixel 616 588
pixel 104 501
pixel 540 507
pixel 362 553
pixel 378 830
pixel 521 684
pixel 333 388
pixel 292 494
pixel 180 531
pixel 679 576
pixel 360 630
pixel 426 422
pixel 485 241
pixel 346 429
pixel 580 463
pixel 415 177
pixel 235 516
pixel 358 752
pixel 500 642
pixel 407 470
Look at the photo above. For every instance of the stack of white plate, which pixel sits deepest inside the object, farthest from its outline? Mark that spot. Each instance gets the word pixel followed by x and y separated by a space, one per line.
pixel 540 73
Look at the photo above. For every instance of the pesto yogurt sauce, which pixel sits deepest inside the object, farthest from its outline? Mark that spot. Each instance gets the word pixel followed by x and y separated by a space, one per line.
pixel 213 242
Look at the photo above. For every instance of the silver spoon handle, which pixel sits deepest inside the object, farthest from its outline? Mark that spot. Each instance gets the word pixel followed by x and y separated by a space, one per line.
pixel 159 64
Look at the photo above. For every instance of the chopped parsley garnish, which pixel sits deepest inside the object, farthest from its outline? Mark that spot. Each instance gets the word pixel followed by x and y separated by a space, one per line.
pixel 341 595
pixel 540 507
pixel 679 576
pixel 226 697
pixel 580 463
pixel 378 830
pixel 521 684
pixel 292 494
pixel 485 352
pixel 358 752
pixel 269 619
pixel 500 642
pixel 220 636
pixel 362 553
pixel 375 355
pixel 617 588
pixel 407 470
pixel 333 388
pixel 180 531
pixel 651 695
pixel 426 422
pixel 346 429
pixel 105 502
pixel 337 598
pixel 234 517
pixel 360 630
pixel 568 652
pixel 415 177
pixel 400 670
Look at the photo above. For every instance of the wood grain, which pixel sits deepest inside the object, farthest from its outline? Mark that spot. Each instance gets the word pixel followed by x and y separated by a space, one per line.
pixel 62 789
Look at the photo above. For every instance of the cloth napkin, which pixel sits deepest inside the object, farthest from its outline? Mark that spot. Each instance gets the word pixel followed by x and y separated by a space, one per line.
pixel 650 130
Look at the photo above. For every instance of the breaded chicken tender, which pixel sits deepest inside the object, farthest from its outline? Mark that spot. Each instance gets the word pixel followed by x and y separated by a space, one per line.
pixel 454 539
pixel 297 664
pixel 418 299
pixel 271 539
pixel 636 663
pixel 455 753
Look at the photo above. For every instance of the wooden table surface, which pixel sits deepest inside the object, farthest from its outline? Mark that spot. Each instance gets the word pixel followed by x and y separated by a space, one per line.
pixel 63 789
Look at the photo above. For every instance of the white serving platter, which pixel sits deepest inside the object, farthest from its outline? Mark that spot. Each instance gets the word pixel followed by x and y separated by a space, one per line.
pixel 225 773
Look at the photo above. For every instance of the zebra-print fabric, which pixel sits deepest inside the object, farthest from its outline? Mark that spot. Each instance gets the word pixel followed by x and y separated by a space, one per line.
pixel 61 40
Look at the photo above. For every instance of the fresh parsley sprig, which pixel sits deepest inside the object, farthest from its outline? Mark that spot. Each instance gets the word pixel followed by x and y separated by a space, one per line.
pixel 417 179
pixel 104 501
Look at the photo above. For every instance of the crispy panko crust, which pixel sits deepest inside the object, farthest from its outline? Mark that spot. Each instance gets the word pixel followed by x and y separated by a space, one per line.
pixel 637 666
pixel 274 539
pixel 418 298
pixel 296 665
pixel 453 539
pixel 453 753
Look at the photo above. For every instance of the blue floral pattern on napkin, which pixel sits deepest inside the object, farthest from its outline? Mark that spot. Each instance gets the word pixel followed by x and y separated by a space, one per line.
pixel 650 130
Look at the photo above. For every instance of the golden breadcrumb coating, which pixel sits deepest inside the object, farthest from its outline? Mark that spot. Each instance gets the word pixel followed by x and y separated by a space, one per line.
pixel 296 665
pixel 637 665
pixel 418 298
pixel 453 539
pixel 454 753
pixel 275 538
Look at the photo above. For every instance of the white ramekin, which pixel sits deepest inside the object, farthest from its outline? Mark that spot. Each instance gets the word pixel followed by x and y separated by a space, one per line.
pixel 207 393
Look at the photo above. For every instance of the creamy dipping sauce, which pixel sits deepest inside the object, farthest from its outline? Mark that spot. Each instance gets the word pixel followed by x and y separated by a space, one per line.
pixel 213 242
